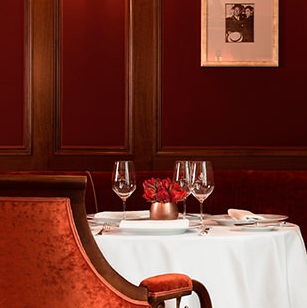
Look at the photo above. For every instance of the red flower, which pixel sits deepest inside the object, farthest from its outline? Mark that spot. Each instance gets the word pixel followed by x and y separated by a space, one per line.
pixel 157 190
pixel 177 193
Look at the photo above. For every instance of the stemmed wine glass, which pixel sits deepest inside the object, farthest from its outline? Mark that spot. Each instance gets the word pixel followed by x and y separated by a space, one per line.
pixel 123 181
pixel 202 182
pixel 182 176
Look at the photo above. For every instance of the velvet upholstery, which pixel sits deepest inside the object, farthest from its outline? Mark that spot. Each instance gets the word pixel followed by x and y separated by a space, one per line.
pixel 165 284
pixel 163 287
pixel 43 263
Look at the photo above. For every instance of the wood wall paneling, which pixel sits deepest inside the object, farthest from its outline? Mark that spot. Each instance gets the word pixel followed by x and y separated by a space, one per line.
pixel 88 82
pixel 144 62
pixel 93 107
pixel 94 110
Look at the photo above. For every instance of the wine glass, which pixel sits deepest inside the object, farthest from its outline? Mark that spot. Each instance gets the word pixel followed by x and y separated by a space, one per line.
pixel 123 181
pixel 202 182
pixel 182 176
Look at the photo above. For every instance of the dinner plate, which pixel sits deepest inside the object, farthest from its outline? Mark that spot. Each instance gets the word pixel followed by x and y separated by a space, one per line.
pixel 158 227
pixel 255 228
pixel 155 231
pixel 196 216
pixel 102 217
pixel 226 220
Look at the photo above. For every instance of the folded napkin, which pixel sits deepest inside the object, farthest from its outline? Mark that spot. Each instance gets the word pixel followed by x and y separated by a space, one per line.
pixel 119 215
pixel 243 215
pixel 155 224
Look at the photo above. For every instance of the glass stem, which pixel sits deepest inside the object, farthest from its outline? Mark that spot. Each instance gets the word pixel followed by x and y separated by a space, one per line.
pixel 201 213
pixel 124 209
pixel 184 212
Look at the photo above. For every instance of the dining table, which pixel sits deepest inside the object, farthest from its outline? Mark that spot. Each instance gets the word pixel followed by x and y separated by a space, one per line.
pixel 240 267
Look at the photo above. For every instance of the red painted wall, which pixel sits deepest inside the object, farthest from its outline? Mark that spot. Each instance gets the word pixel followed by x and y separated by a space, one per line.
pixel 231 106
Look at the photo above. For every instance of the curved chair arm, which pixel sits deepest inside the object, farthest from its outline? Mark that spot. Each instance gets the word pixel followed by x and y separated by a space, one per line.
pixel 202 293
pixel 168 286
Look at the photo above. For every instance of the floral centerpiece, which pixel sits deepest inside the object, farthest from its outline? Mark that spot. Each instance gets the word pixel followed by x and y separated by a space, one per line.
pixel 157 190
pixel 163 195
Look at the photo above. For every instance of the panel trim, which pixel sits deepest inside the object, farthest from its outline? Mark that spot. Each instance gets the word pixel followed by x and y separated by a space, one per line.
pixel 127 148
pixel 232 151
pixel 25 149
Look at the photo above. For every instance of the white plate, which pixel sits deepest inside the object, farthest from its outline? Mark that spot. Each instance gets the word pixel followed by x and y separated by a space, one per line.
pixel 155 231
pixel 195 216
pixel 226 220
pixel 192 216
pixel 102 217
pixel 255 228
pixel 156 227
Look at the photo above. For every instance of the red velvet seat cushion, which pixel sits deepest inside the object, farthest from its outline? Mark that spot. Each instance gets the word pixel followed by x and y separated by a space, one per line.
pixel 163 285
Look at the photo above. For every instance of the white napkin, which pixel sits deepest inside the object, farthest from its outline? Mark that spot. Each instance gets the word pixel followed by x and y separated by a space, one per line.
pixel 155 224
pixel 243 215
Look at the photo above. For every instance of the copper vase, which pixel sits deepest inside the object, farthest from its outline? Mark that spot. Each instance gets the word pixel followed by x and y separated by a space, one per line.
pixel 163 211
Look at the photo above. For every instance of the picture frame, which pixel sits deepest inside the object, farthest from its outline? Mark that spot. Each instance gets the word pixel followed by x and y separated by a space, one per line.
pixel 239 33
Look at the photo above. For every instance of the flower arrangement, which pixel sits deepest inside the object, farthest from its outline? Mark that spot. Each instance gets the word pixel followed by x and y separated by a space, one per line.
pixel 157 190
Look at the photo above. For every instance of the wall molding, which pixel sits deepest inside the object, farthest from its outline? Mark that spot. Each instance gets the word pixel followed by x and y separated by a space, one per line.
pixel 24 149
pixel 125 149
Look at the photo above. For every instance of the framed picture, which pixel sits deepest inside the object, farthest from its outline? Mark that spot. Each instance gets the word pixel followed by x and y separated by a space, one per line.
pixel 239 33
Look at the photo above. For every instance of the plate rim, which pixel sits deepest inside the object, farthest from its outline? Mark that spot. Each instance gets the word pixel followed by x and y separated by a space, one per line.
pixel 117 219
pixel 255 228
pixel 155 231
pixel 175 230
pixel 231 221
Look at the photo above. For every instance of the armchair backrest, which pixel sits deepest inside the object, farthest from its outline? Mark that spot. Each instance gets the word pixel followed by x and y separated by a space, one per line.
pixel 42 260
pixel 72 187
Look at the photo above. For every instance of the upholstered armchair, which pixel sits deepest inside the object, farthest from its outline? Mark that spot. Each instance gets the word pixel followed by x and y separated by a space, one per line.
pixel 49 258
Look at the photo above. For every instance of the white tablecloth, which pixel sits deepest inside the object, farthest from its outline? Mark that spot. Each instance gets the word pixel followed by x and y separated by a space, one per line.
pixel 241 269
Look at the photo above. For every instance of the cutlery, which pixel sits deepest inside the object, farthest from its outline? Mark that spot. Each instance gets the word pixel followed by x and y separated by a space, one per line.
pixel 105 228
pixel 204 231
pixel 260 223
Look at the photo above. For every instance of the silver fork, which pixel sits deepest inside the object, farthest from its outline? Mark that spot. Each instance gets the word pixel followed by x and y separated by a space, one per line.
pixel 105 228
pixel 204 231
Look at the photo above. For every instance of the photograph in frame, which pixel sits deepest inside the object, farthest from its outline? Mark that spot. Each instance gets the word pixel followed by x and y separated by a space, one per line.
pixel 239 33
